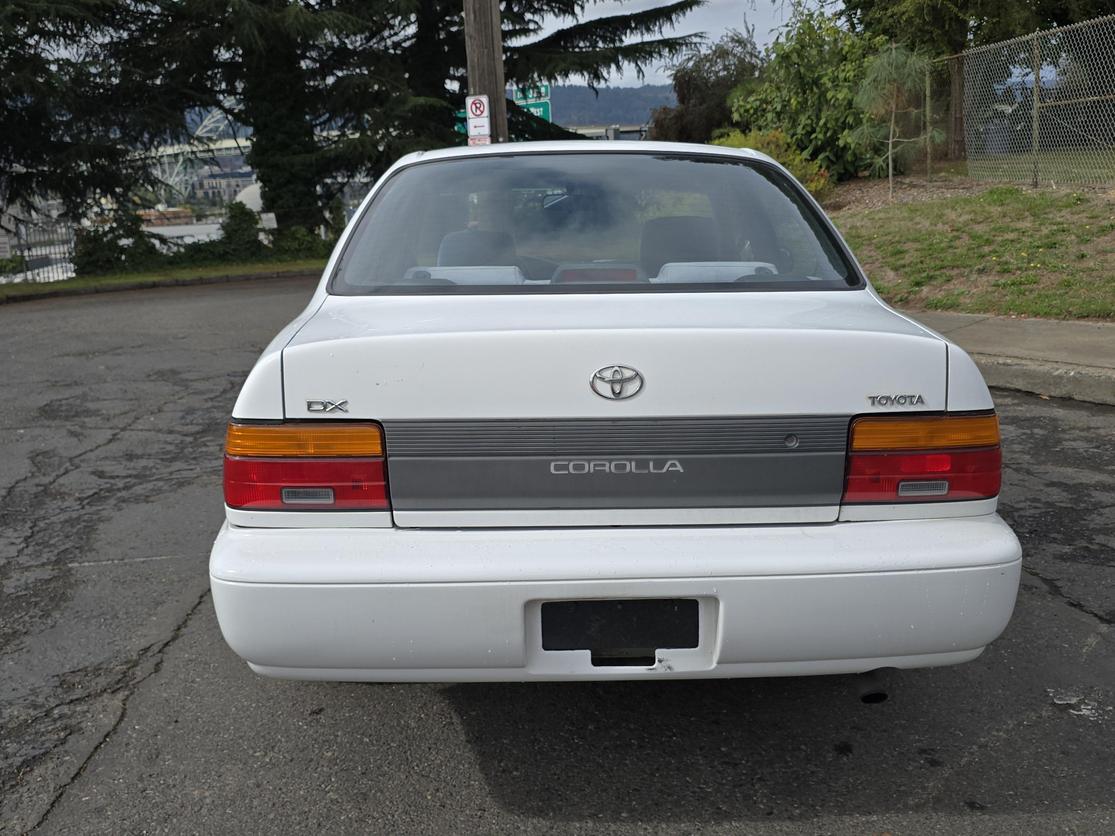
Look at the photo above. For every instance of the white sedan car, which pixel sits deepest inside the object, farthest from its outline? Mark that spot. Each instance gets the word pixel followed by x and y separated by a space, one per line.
pixel 606 411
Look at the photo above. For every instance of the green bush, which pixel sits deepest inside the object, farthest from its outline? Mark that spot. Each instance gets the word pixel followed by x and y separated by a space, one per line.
pixel 240 234
pixel 808 91
pixel 777 145
pixel 296 242
pixel 123 247
pixel 702 81
pixel 239 241
pixel 15 264
pixel 120 246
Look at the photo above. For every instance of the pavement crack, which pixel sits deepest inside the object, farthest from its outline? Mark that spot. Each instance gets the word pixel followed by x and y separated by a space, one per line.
pixel 1054 588
pixel 42 477
pixel 126 689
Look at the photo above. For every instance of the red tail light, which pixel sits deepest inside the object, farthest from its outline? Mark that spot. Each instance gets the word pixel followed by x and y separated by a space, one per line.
pixel 923 459
pixel 312 466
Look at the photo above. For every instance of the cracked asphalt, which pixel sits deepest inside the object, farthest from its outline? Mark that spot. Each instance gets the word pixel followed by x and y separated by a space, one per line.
pixel 122 711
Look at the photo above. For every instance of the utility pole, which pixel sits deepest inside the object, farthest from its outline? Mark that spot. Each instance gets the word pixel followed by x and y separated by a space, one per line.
pixel 484 51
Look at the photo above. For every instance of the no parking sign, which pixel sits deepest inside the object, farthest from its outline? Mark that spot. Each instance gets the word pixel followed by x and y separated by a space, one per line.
pixel 479 120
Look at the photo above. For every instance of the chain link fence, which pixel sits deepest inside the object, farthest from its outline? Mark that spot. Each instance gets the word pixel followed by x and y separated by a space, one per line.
pixel 1038 109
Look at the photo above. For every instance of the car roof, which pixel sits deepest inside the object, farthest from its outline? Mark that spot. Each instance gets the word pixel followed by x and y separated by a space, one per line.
pixel 582 146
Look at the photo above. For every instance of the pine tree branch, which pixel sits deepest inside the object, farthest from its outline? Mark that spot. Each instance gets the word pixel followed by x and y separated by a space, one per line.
pixel 613 31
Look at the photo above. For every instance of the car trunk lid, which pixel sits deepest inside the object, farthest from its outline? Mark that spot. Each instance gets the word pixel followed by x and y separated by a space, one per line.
pixel 491 416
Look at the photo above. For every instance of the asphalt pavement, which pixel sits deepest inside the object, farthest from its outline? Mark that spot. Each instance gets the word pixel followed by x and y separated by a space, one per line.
pixel 122 711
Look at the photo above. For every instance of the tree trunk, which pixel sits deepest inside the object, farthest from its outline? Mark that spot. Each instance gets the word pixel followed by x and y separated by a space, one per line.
pixel 284 150
pixel 890 144
pixel 957 149
pixel 928 123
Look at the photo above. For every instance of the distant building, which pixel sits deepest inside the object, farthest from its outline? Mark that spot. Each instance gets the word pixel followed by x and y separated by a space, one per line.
pixel 166 217
pixel 222 186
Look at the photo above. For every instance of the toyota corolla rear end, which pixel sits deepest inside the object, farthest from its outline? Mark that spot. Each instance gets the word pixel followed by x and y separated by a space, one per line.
pixel 616 413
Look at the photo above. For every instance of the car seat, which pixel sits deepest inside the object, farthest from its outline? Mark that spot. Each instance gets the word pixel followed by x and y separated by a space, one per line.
pixel 476 248
pixel 682 238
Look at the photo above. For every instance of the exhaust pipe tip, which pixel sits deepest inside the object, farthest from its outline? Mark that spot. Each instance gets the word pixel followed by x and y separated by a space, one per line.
pixel 870 687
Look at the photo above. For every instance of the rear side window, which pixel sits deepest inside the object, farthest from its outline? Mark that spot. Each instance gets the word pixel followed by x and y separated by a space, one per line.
pixel 589 222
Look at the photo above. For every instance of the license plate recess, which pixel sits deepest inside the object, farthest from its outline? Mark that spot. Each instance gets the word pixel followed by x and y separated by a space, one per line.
pixel 625 631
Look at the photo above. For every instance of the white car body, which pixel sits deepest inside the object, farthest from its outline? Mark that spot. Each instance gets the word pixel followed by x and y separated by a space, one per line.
pixel 432 590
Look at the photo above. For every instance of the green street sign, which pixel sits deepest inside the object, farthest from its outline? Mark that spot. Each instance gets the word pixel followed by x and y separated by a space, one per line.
pixel 531 94
pixel 539 109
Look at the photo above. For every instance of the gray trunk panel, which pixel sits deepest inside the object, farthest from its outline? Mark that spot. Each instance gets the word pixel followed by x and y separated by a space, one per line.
pixel 713 462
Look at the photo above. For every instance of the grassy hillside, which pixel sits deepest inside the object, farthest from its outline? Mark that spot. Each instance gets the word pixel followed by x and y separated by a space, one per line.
pixel 156 278
pixel 1003 251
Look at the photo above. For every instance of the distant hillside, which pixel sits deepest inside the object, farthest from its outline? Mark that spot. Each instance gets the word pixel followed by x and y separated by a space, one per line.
pixel 576 106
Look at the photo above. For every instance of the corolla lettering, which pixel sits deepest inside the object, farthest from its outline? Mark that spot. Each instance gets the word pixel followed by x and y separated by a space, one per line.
pixel 579 467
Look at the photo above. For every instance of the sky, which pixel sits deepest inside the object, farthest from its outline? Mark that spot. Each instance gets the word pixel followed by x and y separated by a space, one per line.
pixel 714 19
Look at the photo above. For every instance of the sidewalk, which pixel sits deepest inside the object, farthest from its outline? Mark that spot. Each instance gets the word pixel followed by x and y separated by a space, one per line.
pixel 1045 356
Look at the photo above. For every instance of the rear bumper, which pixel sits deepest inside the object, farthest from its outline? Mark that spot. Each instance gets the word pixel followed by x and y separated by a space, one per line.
pixel 436 605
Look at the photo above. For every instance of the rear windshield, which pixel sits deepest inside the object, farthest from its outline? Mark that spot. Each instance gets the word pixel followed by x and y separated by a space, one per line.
pixel 589 222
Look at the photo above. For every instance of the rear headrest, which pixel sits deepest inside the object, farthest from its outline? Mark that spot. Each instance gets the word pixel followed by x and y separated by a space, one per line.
pixel 476 248
pixel 684 238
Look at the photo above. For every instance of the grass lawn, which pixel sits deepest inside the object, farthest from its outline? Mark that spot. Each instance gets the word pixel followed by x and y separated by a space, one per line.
pixel 175 275
pixel 1003 251
pixel 1061 167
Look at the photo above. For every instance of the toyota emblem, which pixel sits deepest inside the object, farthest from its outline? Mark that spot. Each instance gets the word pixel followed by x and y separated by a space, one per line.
pixel 616 383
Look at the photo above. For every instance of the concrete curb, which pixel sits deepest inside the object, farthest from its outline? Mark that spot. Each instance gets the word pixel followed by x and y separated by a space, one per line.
pixel 1058 358
pixel 1057 380
pixel 144 284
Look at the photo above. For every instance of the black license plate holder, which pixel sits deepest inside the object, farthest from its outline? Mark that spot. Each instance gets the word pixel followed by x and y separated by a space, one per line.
pixel 621 631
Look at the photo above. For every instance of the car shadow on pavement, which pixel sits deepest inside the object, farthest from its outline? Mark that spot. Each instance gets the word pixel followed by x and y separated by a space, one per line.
pixel 771 749
pixel 680 750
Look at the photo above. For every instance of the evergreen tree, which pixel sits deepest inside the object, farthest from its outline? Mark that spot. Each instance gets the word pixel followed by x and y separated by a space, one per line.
pixel 337 89
pixel 319 84
pixel 76 114
pixel 594 50
pixel 331 89
pixel 891 95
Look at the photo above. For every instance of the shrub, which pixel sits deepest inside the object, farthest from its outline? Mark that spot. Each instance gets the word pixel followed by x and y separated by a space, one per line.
pixel 121 245
pixel 777 145
pixel 15 264
pixel 239 241
pixel 240 234
pixel 808 90
pixel 702 81
pixel 296 242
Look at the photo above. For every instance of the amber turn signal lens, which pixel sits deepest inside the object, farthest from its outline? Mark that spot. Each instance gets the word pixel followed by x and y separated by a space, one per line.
pixel 305 440
pixel 934 432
